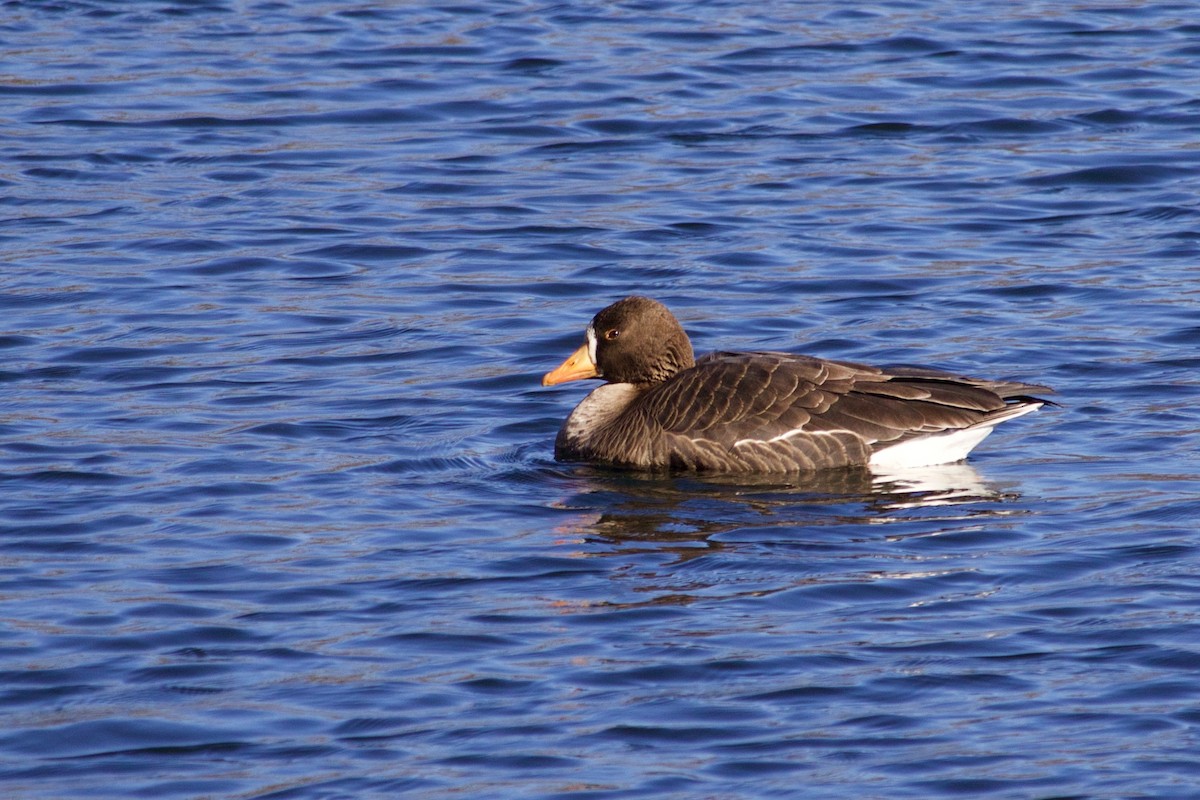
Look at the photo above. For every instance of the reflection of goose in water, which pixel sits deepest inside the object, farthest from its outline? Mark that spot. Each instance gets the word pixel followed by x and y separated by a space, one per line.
pixel 741 413
pixel 675 541
pixel 938 485
pixel 646 507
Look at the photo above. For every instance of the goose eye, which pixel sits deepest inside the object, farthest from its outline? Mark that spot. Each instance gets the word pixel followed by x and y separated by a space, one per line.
pixel 611 334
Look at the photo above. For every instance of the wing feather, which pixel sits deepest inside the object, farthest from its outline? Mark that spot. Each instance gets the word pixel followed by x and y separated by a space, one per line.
pixel 776 411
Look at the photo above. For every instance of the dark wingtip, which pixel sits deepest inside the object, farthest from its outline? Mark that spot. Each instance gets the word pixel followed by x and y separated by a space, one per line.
pixel 1028 398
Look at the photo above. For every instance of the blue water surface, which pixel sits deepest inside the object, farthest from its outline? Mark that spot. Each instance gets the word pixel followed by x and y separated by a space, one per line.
pixel 279 516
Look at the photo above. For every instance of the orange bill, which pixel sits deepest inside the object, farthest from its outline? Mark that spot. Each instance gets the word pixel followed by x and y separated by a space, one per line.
pixel 577 367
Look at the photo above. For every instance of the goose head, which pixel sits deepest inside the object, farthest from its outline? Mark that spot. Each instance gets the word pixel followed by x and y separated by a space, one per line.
pixel 635 340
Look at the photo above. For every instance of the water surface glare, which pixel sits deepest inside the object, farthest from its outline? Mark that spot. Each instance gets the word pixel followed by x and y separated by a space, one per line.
pixel 278 512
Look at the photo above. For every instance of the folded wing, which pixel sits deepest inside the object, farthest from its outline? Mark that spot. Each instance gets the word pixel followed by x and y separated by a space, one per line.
pixel 782 412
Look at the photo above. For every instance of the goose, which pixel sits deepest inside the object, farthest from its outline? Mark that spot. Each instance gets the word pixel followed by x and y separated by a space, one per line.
pixel 662 410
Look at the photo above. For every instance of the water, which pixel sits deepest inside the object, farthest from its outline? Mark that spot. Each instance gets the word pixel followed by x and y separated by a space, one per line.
pixel 280 517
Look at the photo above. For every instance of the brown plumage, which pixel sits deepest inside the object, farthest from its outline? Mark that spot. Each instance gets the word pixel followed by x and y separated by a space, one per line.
pixel 762 412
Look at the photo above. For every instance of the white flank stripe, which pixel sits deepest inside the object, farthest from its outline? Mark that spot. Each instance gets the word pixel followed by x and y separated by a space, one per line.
pixel 788 435
pixel 924 451
pixel 943 448
pixel 929 451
